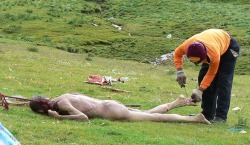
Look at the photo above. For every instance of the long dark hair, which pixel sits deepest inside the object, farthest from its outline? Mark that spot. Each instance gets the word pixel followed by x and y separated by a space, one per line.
pixel 39 104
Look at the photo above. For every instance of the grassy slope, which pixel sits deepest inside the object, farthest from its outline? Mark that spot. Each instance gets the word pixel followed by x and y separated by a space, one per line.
pixel 68 25
pixel 52 72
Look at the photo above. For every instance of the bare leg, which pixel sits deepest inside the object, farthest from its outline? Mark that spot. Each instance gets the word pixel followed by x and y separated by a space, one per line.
pixel 179 102
pixel 115 111
pixel 143 116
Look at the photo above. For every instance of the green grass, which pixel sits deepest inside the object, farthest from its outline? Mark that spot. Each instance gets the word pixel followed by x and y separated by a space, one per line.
pixel 52 72
pixel 69 25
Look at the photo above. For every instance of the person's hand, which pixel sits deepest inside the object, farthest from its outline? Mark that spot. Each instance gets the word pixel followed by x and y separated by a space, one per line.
pixel 181 78
pixel 197 95
pixel 190 102
pixel 53 114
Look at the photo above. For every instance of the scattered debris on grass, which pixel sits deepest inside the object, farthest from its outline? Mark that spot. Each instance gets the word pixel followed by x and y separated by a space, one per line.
pixel 114 89
pixel 103 81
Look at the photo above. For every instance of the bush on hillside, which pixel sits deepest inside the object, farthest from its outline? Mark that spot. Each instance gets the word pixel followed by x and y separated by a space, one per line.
pixel 32 49
pixel 12 29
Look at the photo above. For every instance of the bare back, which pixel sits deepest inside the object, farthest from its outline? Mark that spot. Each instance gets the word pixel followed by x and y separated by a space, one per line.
pixel 91 107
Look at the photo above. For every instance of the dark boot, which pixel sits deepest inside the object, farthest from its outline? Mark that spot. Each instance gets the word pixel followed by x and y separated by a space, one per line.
pixel 218 120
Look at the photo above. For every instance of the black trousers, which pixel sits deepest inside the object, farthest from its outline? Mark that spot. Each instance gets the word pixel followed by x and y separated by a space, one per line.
pixel 216 98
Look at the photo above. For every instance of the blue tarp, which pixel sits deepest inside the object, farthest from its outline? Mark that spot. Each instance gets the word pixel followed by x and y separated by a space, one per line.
pixel 6 138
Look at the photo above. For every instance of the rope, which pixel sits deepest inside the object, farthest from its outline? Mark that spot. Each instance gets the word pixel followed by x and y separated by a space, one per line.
pixel 6 104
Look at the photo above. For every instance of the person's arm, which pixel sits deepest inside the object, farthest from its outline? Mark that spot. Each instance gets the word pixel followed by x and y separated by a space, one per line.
pixel 180 51
pixel 79 116
pixel 66 106
pixel 178 57
pixel 209 77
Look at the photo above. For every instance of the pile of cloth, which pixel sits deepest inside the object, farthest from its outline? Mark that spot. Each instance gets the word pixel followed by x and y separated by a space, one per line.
pixel 104 80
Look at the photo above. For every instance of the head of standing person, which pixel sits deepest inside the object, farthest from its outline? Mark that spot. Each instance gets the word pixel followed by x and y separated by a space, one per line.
pixel 196 52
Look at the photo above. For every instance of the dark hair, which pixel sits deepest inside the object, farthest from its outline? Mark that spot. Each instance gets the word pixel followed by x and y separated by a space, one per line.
pixel 39 103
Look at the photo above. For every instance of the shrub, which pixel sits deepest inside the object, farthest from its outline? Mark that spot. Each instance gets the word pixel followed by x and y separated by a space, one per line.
pixel 10 16
pixel 25 38
pixel 61 47
pixel 72 50
pixel 46 39
pixel 32 49
pixel 12 29
pixel 88 58
pixel 29 11
pixel 90 8
pixel 2 36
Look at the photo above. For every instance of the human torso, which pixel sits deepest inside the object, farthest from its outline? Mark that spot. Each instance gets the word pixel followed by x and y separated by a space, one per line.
pixel 216 42
pixel 89 106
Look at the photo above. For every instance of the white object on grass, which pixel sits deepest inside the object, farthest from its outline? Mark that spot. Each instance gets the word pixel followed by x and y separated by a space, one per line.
pixel 169 36
pixel 243 132
pixel 236 109
pixel 116 26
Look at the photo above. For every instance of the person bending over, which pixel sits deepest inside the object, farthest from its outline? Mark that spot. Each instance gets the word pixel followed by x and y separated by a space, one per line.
pixel 217 51
pixel 82 108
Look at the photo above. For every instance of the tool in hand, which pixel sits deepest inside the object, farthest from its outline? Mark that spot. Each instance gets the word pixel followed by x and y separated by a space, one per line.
pixel 185 90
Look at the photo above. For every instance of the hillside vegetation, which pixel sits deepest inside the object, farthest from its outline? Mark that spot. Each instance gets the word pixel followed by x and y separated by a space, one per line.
pixel 91 26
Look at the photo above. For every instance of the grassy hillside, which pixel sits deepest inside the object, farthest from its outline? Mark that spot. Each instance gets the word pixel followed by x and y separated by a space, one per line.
pixel 89 26
pixel 51 72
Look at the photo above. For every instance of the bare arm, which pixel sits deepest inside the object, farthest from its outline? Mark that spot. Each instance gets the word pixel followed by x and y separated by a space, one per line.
pixel 79 117
pixel 74 113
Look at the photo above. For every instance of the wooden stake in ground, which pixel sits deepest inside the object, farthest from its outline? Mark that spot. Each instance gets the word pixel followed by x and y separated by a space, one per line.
pixel 114 89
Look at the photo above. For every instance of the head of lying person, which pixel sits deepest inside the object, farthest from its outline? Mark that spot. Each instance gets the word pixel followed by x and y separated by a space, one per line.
pixel 39 104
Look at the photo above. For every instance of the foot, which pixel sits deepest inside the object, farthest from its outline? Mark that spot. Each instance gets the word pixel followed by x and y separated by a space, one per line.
pixel 218 120
pixel 201 118
pixel 182 101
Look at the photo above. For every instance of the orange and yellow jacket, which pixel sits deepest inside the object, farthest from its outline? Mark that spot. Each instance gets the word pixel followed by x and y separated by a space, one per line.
pixel 216 42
